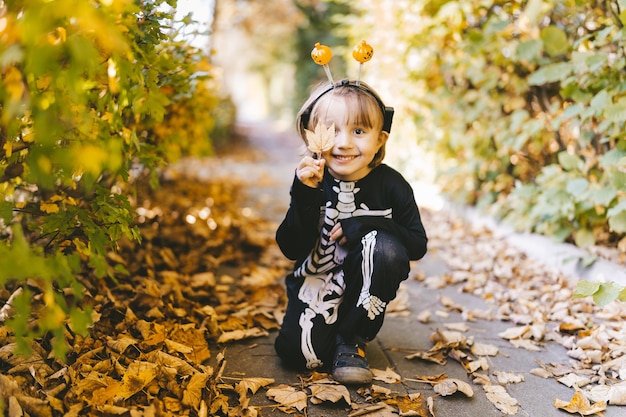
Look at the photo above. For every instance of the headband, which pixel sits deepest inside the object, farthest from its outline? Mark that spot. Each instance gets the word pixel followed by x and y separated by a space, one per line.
pixel 386 110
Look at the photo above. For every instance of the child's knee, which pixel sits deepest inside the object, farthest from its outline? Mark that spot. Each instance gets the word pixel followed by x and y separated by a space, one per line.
pixel 390 250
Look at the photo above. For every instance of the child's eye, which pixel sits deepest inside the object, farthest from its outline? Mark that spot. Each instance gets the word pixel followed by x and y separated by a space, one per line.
pixel 358 131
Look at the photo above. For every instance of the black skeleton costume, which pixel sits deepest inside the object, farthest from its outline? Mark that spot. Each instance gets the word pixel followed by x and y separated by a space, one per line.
pixel 344 289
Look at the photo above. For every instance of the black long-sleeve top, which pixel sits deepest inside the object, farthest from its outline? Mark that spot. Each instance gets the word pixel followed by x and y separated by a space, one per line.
pixel 383 200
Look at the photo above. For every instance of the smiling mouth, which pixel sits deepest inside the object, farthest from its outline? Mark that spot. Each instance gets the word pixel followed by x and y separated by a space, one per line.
pixel 344 157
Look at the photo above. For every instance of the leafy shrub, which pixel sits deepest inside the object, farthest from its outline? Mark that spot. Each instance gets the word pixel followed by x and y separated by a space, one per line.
pixel 524 103
pixel 91 92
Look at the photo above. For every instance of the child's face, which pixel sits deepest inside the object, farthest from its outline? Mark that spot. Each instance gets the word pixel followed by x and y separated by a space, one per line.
pixel 355 144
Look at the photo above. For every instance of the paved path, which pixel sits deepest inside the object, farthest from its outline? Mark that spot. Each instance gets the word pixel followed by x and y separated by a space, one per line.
pixel 269 175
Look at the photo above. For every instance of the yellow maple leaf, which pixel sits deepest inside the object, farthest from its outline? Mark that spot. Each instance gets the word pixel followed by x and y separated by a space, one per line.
pixel 137 376
pixel 321 139
pixel 252 385
pixel 581 405
pixel 192 396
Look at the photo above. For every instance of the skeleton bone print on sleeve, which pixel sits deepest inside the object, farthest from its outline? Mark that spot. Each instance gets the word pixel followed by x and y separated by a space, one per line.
pixel 322 289
pixel 372 304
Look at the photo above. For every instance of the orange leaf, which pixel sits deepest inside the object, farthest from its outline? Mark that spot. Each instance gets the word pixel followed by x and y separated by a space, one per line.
pixel 581 405
pixel 136 378
pixel 193 391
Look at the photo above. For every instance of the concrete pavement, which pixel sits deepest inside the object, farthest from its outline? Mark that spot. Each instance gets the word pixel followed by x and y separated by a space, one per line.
pixel 400 335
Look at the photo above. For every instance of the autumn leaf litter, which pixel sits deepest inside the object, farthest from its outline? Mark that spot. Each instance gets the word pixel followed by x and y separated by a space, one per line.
pixel 207 273
pixel 538 301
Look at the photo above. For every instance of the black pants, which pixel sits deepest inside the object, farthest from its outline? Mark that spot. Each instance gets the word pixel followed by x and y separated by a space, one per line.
pixel 349 301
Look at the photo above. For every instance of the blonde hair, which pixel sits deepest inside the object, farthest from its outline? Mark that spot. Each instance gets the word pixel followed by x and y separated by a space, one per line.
pixel 369 110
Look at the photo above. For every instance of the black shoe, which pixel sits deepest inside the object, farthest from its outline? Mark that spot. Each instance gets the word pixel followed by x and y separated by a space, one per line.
pixel 350 365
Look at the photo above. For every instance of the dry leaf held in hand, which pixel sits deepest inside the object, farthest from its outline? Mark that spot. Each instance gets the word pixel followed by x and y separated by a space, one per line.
pixel 322 139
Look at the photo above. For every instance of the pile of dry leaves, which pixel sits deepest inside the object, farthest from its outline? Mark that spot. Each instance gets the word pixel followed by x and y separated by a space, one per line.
pixel 201 277
pixel 538 301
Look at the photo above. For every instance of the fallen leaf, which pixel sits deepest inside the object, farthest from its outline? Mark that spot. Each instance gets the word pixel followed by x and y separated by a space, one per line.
pixel 381 391
pixel 525 344
pixel 241 334
pixel 574 380
pixel 136 377
pixel 192 395
pixel 424 316
pixel 484 349
pixel 320 378
pixel 431 405
pixel 34 406
pixel 579 404
pixel 326 392
pixel 409 405
pixel 610 394
pixel 288 396
pixel 120 344
pixel 451 386
pixel 177 347
pixel 105 394
pixel 219 404
pixel 459 327
pixel 481 363
pixel 571 327
pixel 514 332
pixel 508 377
pixel 162 358
pixel 481 379
pixel 109 409
pixel 245 409
pixel 541 373
pixel 379 409
pixel 388 376
pixel 501 399
pixel 447 337
pixel 252 385
pixel 192 342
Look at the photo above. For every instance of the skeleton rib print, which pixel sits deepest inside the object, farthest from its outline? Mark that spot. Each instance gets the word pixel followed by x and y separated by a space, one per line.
pixel 327 255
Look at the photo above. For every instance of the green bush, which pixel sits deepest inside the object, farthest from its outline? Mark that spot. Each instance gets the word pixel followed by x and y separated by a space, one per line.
pixel 524 103
pixel 90 92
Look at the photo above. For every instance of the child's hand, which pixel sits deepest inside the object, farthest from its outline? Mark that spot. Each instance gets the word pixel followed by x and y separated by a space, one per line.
pixel 336 234
pixel 310 171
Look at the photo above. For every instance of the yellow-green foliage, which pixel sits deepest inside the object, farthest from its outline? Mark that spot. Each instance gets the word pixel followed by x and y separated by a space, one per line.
pixel 88 91
pixel 523 103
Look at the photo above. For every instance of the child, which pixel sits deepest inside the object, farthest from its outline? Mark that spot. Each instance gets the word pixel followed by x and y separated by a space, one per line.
pixel 352 227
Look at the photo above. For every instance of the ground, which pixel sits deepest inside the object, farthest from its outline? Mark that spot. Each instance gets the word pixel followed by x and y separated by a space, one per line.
pixel 478 328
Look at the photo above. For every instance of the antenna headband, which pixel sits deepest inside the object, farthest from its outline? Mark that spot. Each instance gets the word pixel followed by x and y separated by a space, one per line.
pixel 386 110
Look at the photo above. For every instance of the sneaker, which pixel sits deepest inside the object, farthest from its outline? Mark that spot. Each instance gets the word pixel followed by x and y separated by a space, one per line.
pixel 350 365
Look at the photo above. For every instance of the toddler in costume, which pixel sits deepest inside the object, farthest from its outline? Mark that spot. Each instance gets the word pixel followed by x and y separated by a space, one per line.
pixel 352 227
